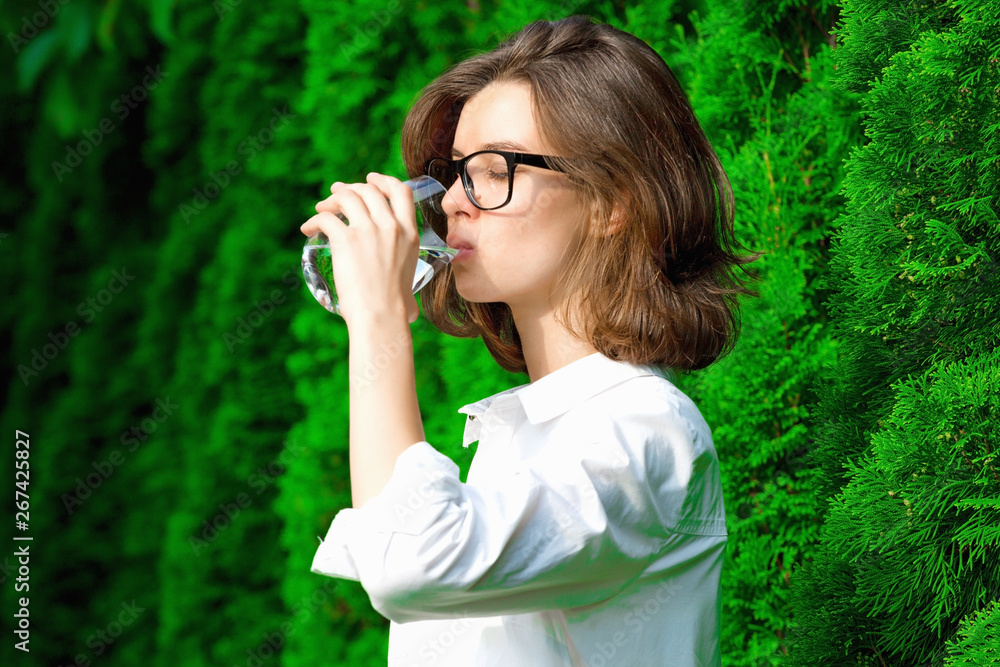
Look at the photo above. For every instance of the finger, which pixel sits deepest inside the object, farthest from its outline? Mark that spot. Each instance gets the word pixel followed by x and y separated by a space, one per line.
pixel 325 222
pixel 375 200
pixel 400 197
pixel 348 205
pixel 327 204
pixel 330 204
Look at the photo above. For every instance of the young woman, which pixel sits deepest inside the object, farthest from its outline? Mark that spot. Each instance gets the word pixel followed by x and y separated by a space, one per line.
pixel 595 225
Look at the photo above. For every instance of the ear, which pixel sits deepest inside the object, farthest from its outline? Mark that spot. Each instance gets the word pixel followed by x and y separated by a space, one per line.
pixel 616 223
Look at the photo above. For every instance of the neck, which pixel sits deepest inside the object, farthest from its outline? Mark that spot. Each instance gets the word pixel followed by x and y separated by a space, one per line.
pixel 547 345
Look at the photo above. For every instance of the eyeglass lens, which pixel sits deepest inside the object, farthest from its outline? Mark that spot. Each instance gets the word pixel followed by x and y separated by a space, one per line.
pixel 487 178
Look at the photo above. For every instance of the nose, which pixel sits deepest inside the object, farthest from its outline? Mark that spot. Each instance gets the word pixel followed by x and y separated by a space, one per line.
pixel 457 201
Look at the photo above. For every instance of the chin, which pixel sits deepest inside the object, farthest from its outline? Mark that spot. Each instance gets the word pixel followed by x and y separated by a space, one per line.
pixel 473 297
pixel 474 287
pixel 471 294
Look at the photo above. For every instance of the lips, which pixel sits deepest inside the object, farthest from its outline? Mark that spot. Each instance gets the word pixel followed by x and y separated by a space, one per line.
pixel 463 247
pixel 458 243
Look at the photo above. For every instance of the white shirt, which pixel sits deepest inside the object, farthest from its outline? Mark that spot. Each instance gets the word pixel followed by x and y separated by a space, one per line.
pixel 591 531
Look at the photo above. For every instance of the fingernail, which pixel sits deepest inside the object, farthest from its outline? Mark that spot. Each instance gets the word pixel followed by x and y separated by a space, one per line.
pixel 336 184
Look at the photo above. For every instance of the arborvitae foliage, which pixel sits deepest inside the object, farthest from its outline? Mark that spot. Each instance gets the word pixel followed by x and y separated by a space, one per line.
pixel 78 256
pixel 907 452
pixel 222 557
pixel 217 329
pixel 759 81
pixel 978 639
pixel 15 118
pixel 136 432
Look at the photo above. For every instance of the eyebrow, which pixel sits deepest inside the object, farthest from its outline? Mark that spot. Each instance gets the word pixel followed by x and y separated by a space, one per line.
pixel 494 146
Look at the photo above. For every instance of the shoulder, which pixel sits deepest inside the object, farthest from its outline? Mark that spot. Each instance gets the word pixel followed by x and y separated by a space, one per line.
pixel 648 430
pixel 648 405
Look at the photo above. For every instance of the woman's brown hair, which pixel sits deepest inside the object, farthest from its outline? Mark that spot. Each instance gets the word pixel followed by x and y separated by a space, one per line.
pixel 655 275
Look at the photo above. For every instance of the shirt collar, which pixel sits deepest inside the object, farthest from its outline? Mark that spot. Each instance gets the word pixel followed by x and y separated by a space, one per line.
pixel 562 389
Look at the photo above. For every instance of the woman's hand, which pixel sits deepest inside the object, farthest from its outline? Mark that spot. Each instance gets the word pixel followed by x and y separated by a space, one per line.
pixel 375 256
pixel 374 259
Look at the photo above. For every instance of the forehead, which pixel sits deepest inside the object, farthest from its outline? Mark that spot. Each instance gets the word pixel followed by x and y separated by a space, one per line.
pixel 498 116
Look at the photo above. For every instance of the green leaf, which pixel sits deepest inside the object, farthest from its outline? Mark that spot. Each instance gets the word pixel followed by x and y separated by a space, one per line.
pixel 34 57
pixel 161 19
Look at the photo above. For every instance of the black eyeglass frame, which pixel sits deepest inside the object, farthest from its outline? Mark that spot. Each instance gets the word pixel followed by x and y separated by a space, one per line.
pixel 457 168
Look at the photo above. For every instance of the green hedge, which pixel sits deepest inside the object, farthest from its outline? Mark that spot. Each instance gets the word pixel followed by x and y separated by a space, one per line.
pixel 907 445
pixel 189 432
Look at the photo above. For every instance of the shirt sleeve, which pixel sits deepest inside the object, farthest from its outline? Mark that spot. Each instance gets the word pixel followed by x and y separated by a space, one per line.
pixel 417 468
pixel 556 532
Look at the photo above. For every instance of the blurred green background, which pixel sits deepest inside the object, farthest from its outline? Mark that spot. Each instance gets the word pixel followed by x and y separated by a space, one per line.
pixel 184 397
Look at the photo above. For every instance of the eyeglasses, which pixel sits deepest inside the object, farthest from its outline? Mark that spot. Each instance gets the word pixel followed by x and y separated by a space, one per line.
pixel 488 176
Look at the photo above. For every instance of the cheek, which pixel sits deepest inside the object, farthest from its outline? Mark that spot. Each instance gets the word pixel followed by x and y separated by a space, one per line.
pixel 533 232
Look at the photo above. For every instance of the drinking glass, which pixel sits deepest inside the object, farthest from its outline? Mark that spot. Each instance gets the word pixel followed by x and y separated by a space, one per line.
pixel 428 196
